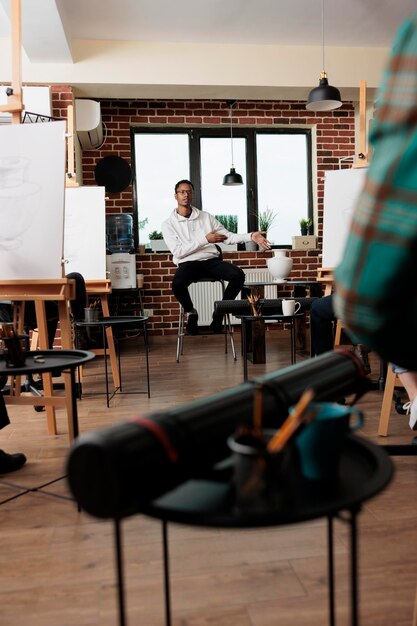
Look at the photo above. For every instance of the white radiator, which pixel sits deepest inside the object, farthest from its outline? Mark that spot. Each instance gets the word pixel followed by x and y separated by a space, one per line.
pixel 204 294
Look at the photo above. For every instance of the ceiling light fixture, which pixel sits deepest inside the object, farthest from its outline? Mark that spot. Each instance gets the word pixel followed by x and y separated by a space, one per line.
pixel 232 178
pixel 324 97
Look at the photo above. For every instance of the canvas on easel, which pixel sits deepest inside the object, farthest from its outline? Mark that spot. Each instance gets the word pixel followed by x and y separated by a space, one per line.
pixel 32 178
pixel 341 191
pixel 85 232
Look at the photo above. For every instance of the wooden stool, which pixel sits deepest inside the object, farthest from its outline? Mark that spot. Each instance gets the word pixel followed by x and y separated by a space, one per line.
pixel 392 381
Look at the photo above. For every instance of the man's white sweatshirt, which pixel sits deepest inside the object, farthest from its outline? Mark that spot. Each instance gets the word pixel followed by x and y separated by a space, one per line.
pixel 186 236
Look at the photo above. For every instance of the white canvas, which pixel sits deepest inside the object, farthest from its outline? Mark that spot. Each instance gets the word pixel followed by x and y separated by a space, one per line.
pixel 85 232
pixel 32 181
pixel 341 192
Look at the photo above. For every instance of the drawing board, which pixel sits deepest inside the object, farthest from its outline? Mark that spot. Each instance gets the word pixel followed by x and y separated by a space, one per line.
pixel 32 183
pixel 341 192
pixel 85 232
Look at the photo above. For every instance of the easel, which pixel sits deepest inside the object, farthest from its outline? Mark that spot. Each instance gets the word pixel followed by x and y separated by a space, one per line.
pixel 39 291
pixel 325 276
pixel 362 155
pixel 102 289
pixel 99 288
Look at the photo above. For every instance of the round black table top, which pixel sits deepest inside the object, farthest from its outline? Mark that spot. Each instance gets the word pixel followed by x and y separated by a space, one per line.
pixel 120 320
pixel 365 470
pixel 39 361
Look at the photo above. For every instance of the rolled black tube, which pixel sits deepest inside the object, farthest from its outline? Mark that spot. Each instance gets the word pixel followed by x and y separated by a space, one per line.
pixel 267 307
pixel 115 471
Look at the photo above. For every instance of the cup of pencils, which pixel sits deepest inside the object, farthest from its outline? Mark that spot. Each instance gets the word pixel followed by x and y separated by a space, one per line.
pixel 259 476
pixel 91 312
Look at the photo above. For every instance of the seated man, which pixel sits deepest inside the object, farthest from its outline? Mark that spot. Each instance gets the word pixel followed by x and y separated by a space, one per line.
pixel 191 235
pixel 322 318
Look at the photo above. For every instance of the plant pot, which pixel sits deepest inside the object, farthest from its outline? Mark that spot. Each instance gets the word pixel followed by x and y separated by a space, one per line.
pixel 279 266
pixel 304 231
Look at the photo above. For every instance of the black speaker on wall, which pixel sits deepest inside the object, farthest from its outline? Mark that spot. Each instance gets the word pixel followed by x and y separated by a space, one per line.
pixel 114 173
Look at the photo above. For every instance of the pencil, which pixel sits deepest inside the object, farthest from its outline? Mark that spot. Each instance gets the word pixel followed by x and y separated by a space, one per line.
pixel 292 422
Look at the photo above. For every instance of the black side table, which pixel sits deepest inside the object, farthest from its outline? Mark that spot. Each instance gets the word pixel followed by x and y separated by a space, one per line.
pixel 117 323
pixel 249 325
pixel 55 361
pixel 209 501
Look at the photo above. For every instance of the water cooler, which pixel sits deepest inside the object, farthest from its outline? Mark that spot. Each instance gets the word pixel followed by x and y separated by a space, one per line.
pixel 120 259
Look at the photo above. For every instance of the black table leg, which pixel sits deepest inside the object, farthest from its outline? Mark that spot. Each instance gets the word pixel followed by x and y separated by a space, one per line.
pixel 244 349
pixel 330 565
pixel 145 338
pixel 354 568
pixel 105 365
pixel 292 328
pixel 74 404
pixel 167 590
pixel 120 577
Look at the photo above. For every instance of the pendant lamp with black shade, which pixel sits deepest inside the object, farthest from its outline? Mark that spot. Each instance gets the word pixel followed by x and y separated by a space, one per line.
pixel 324 97
pixel 232 178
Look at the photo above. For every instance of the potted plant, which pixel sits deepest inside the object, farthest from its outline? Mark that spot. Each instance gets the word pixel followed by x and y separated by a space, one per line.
pixel 157 241
pixel 266 219
pixel 305 226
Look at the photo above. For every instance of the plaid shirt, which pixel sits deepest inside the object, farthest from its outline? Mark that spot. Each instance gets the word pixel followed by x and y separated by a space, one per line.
pixel 376 281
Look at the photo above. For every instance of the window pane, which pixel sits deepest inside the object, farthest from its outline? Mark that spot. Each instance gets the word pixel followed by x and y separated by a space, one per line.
pixel 161 160
pixel 215 163
pixel 283 182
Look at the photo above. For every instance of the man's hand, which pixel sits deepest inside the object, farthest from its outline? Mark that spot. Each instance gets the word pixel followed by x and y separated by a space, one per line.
pixel 214 237
pixel 258 237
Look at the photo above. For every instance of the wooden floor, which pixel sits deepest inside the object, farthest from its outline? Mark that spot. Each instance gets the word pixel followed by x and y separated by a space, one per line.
pixel 57 565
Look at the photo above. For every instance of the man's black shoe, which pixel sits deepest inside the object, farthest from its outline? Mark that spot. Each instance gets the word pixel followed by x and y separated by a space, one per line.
pixel 11 462
pixel 192 322
pixel 216 326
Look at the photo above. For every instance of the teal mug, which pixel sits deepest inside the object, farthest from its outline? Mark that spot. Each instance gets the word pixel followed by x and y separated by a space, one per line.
pixel 320 443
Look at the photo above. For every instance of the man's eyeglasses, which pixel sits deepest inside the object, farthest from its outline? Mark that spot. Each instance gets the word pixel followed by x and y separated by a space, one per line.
pixel 185 191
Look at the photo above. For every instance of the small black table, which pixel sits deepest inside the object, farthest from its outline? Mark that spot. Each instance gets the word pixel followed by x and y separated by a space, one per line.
pixel 56 362
pixel 209 501
pixel 250 322
pixel 118 323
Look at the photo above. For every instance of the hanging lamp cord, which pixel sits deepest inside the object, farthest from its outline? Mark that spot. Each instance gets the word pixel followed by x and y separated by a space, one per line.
pixel 231 131
pixel 322 34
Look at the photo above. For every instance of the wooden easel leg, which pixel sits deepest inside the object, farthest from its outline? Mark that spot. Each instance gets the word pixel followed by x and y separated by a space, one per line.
pixel 66 343
pixel 390 382
pixel 110 343
pixel 47 377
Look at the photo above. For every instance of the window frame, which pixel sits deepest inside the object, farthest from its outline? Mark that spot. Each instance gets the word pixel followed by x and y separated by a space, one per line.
pixel 195 133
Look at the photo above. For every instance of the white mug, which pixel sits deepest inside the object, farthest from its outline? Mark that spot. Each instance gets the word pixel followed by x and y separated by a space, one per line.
pixel 290 307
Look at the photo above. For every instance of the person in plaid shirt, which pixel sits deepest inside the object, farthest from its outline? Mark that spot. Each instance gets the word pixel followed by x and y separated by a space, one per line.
pixel 376 281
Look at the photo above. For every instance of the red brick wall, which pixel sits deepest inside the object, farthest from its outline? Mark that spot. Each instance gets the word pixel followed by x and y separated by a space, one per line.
pixel 335 138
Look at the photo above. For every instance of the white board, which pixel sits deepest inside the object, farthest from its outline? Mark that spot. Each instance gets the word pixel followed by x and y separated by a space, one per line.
pixel 341 192
pixel 32 183
pixel 85 232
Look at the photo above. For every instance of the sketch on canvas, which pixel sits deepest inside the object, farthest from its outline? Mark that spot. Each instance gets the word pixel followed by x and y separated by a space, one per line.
pixel 32 182
pixel 85 232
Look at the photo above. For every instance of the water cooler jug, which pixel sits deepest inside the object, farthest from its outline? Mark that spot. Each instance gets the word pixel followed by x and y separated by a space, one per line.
pixel 120 259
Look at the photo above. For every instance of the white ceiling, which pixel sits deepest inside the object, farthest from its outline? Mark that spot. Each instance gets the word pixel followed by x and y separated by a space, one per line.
pixel 285 22
pixel 50 27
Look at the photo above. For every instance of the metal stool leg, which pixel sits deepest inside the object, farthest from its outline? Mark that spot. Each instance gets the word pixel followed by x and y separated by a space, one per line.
pixel 180 336
pixel 229 331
